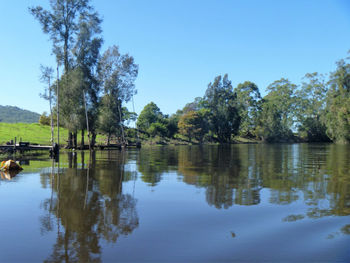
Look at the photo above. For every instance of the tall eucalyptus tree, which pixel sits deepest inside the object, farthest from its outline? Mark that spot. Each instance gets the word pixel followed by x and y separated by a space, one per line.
pixel 117 74
pixel 72 26
pixel 221 101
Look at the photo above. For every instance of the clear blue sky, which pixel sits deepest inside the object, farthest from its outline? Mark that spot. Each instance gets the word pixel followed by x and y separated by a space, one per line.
pixel 181 45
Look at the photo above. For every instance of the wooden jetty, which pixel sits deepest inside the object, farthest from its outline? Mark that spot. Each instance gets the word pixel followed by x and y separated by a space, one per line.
pixel 26 146
pixel 119 146
pixel 21 147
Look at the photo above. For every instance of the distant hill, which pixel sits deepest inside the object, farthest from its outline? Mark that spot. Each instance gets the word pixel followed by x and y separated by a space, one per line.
pixel 11 114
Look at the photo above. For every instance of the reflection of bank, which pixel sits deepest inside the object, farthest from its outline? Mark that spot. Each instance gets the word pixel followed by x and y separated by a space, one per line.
pixel 88 206
pixel 223 171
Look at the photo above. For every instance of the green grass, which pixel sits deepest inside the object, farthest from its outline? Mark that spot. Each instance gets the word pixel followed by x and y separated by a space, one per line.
pixel 35 133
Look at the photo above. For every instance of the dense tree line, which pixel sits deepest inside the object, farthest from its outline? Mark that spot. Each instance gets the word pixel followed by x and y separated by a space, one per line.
pixel 94 85
pixel 318 110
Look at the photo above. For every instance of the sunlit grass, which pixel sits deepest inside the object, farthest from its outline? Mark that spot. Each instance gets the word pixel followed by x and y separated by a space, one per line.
pixel 35 133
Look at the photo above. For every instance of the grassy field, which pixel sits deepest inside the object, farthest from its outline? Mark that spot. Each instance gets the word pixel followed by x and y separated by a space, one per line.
pixel 35 133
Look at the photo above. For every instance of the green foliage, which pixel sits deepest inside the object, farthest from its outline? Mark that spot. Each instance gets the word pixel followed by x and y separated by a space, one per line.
pixel 157 128
pixel 221 101
pixel 277 116
pixel 44 119
pixel 194 124
pixel 282 96
pixel 74 28
pixel 61 23
pixel 311 108
pixel 117 73
pixel 108 119
pixel 189 124
pixel 313 130
pixel 172 125
pixel 150 114
pixel 270 128
pixel 337 118
pixel 249 101
pixel 11 114
pixel 72 112
pixel 196 105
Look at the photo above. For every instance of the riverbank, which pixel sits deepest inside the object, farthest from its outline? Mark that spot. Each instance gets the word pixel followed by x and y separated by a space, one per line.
pixel 36 133
pixel 183 141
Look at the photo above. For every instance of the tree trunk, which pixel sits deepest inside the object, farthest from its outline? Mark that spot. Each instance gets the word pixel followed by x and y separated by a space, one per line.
pixel 69 140
pixel 82 139
pixel 93 139
pixel 108 138
pixel 75 160
pixel 70 160
pixel 82 154
pixel 75 140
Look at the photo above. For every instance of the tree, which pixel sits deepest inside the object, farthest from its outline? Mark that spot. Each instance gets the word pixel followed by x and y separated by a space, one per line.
pixel 194 124
pixel 222 103
pixel 72 113
pixel 108 118
pixel 193 106
pixel 337 117
pixel 117 74
pixel 189 124
pixel 248 97
pixel 46 77
pixel 157 128
pixel 61 23
pixel 172 125
pixel 44 119
pixel 310 109
pixel 70 25
pixel 150 114
pixel 86 54
pixel 270 128
pixel 282 95
pixel 277 117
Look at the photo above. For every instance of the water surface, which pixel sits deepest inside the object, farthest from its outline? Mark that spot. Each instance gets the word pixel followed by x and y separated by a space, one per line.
pixel 257 203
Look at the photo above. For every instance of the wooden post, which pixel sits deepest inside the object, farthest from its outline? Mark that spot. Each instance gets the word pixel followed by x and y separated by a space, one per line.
pixel 87 120
pixel 58 111
pixel 121 124
pixel 51 119
pixel 137 130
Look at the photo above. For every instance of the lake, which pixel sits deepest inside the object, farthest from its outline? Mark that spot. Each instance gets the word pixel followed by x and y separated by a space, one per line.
pixel 234 203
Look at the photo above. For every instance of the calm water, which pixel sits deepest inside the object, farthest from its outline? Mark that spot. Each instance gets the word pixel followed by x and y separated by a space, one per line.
pixel 252 203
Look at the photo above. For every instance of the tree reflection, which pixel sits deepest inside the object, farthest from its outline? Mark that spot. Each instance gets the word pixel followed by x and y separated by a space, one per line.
pixel 88 206
pixel 153 162
pixel 324 177
pixel 224 172
pixel 235 175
